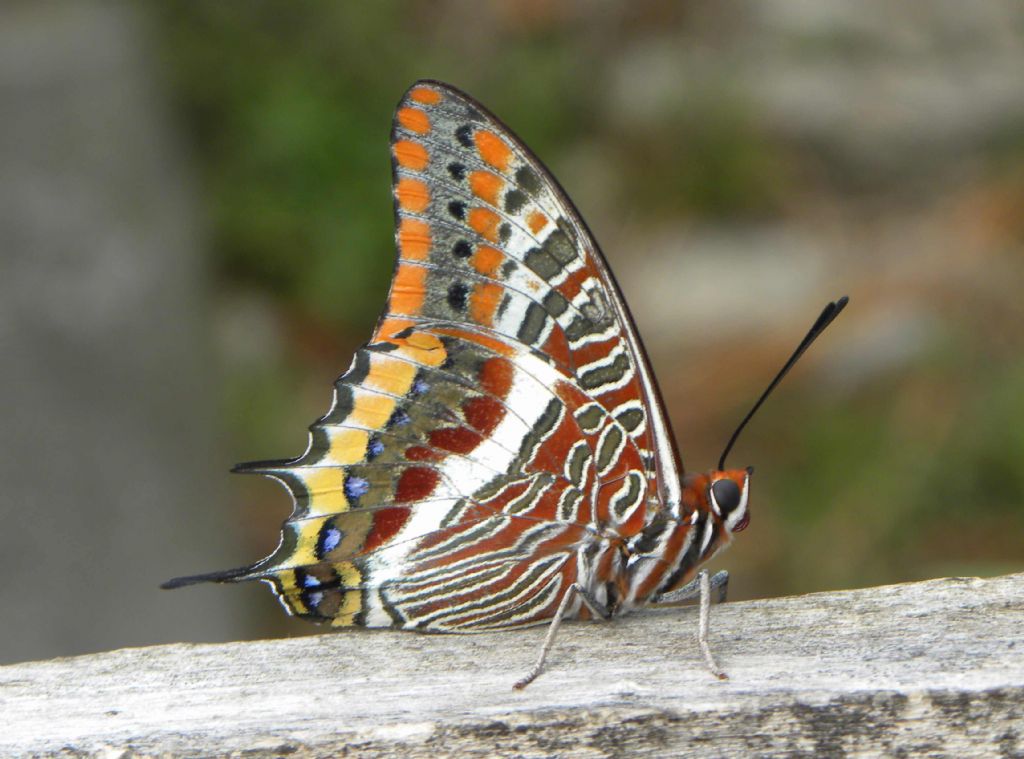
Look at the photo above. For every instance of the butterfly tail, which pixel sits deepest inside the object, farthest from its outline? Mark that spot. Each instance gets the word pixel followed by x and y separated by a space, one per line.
pixel 227 575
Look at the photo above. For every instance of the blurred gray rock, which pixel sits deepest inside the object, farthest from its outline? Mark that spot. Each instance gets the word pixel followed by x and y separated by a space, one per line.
pixel 108 479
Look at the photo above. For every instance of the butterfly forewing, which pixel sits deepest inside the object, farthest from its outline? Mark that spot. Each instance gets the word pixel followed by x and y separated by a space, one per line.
pixel 501 434
pixel 476 203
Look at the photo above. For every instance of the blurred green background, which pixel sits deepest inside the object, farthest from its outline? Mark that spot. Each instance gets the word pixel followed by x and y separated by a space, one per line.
pixel 740 163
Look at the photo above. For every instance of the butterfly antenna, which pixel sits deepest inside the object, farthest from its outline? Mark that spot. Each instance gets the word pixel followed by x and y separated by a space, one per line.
pixel 828 314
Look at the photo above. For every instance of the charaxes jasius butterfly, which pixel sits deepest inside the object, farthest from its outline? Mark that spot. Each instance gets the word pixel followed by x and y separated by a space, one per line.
pixel 498 455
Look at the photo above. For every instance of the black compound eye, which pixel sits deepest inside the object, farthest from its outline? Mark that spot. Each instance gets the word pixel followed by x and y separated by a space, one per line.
pixel 726 494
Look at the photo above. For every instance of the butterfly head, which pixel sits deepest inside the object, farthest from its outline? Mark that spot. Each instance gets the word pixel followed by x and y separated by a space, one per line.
pixel 727 497
pixel 724 494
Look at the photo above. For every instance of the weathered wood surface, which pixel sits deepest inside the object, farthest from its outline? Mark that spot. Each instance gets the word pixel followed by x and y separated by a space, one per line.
pixel 932 668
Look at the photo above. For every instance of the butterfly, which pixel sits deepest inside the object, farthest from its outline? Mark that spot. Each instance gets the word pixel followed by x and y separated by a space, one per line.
pixel 498 455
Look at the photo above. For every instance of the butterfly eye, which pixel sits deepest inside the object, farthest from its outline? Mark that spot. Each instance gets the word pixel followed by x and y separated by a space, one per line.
pixel 726 495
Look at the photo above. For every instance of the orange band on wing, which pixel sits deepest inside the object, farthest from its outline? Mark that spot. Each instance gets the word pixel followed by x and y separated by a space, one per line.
pixel 484 302
pixel 493 149
pixel 414 239
pixel 413 195
pixel 536 221
pixel 423 348
pixel 486 260
pixel 408 290
pixel 411 155
pixel 414 120
pixel 485 222
pixel 425 95
pixel 486 186
pixel 488 342
pixel 390 326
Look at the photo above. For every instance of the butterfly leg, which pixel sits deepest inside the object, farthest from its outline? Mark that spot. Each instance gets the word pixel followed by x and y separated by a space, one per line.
pixel 719 584
pixel 702 586
pixel 702 625
pixel 597 608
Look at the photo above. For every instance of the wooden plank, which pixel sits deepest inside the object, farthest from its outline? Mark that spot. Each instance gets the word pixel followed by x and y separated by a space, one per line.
pixel 934 667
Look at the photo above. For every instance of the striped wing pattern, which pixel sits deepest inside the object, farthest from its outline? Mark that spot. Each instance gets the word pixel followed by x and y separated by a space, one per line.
pixel 499 438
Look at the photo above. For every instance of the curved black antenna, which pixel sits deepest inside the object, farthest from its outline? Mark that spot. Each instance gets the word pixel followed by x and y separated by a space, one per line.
pixel 830 312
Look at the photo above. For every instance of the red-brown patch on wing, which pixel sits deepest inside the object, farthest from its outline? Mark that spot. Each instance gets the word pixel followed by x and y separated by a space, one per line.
pixel 557 347
pixel 483 413
pixel 594 351
pixel 496 376
pixel 552 454
pixel 573 284
pixel 422 453
pixel 546 507
pixel 455 439
pixel 416 483
pixel 386 524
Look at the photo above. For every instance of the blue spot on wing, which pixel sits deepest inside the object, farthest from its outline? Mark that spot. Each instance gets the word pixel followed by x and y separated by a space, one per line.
pixel 374 449
pixel 399 417
pixel 329 540
pixel 355 487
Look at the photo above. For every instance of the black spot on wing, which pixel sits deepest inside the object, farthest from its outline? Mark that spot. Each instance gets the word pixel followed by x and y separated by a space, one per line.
pixel 555 303
pixel 458 295
pixel 527 179
pixel 533 324
pixel 514 201
pixel 464 134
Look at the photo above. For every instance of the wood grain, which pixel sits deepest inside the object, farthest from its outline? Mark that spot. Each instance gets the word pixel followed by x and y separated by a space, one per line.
pixel 931 668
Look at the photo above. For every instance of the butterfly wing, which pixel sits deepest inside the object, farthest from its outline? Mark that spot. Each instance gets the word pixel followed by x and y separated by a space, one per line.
pixel 501 424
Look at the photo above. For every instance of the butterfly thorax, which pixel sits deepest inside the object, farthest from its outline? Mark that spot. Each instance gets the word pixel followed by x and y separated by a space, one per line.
pixel 673 544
